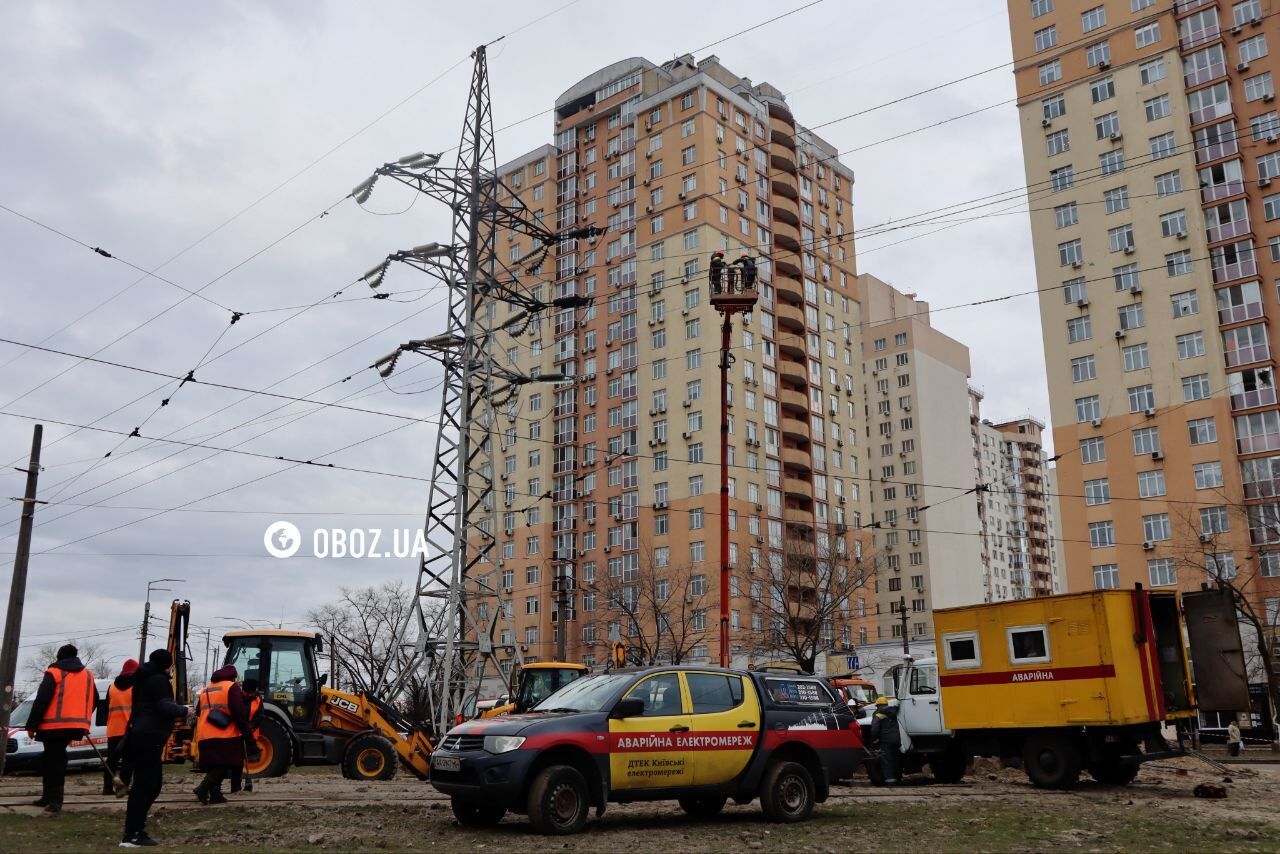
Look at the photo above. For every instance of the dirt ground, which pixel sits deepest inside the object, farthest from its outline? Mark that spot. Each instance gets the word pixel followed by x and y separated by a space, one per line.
pixel 994 809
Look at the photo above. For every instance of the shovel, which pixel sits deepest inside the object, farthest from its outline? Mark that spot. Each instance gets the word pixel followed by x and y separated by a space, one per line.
pixel 117 785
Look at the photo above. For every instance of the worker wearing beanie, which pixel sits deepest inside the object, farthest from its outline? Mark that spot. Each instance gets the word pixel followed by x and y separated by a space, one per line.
pixel 223 733
pixel 62 713
pixel 150 723
pixel 119 708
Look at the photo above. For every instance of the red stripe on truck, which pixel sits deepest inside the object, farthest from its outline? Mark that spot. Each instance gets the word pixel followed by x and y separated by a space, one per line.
pixel 1035 674
pixel 819 739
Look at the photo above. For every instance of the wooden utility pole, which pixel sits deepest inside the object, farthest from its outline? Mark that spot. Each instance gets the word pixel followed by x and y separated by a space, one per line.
pixel 18 588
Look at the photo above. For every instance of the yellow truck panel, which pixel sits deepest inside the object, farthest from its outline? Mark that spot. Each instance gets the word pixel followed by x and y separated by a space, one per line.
pixel 1082 659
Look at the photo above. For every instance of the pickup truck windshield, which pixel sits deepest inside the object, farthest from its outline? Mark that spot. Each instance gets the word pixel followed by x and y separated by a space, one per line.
pixel 589 694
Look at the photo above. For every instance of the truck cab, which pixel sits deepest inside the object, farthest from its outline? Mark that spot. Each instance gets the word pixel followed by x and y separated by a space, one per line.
pixel 695 735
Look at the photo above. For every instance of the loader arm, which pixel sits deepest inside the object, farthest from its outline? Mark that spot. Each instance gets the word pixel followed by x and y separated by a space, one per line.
pixel 179 746
pixel 352 713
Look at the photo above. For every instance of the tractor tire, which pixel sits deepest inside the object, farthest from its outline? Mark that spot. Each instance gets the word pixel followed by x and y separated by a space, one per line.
pixel 702 807
pixel 477 813
pixel 949 767
pixel 275 747
pixel 787 793
pixel 559 801
pixel 1052 761
pixel 1110 772
pixel 369 757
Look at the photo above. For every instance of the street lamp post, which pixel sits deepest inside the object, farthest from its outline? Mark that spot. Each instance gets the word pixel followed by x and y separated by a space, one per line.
pixel 146 613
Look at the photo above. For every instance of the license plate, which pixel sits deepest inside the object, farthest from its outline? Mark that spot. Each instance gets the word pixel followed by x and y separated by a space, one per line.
pixel 446 763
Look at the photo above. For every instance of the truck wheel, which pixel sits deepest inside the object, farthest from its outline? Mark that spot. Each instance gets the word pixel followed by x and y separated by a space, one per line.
pixel 948 767
pixel 369 756
pixel 702 807
pixel 559 801
pixel 477 813
pixel 1111 773
pixel 1051 761
pixel 275 749
pixel 787 792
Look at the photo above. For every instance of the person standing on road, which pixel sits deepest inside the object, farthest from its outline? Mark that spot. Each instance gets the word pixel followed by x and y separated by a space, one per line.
pixel 152 715
pixel 223 734
pixel 119 708
pixel 62 713
pixel 886 736
pixel 1235 741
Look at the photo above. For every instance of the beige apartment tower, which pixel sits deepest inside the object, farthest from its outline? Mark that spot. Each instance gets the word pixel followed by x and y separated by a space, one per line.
pixel 1152 139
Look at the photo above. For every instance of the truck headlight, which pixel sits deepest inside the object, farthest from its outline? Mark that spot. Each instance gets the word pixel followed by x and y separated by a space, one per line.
pixel 502 743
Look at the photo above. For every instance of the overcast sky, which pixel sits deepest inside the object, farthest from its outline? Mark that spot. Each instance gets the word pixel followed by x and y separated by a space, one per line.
pixel 139 128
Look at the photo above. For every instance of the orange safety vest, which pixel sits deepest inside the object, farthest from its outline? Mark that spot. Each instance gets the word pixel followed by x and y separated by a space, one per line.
pixel 72 705
pixel 211 698
pixel 119 710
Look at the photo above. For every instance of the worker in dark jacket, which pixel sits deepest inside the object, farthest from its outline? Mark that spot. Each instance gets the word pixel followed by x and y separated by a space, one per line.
pixel 150 723
pixel 886 736
pixel 62 713
pixel 119 708
pixel 223 733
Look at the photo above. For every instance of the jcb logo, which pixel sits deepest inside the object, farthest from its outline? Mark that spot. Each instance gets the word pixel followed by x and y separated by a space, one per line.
pixel 346 705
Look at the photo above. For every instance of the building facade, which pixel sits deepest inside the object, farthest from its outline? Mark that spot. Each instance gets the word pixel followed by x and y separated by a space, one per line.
pixel 611 480
pixel 1151 139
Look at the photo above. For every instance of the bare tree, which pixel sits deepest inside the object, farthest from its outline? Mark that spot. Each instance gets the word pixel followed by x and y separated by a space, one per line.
pixel 92 653
pixel 804 596
pixel 660 608
pixel 1203 547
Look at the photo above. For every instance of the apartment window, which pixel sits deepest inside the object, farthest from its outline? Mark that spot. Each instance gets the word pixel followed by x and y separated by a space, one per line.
pixel 1070 253
pixel 1196 388
pixel 1097 491
pixel 1163 146
pixel 1065 215
pixel 1253 48
pixel 1061 178
pixel 1139 5
pixel 1178 264
pixel 1132 316
pixel 1041 7
pixel 1074 291
pixel 689 156
pixel 1202 431
pixel 1162 572
pixel 1156 108
pixel 1150 72
pixel 1136 357
pixel 1046 38
pixel 1102 90
pixel 1093 19
pixel 1168 183
pixel 1209 103
pixel 1093 450
pixel 1079 329
pixel 1243 13
pixel 1088 409
pixel 1102 534
pixel 1259 87
pixel 1142 398
pixel 1173 224
pixel 1208 475
pixel 1116 200
pixel 1156 527
pixel 1107 126
pixel 1147 35
pixel 1213 520
pixel 1083 368
pixel 1097 54
pixel 1054 107
pixel 1106 576
pixel 1146 441
pixel 1050 72
pixel 1057 142
pixel 1271 207
pixel 1264 126
pixel 1111 162
pixel 1185 303
pixel 1120 238
pixel 1151 483
pixel 1190 345
pixel 1125 277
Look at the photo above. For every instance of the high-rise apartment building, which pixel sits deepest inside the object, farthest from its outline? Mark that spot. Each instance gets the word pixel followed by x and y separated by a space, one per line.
pixel 1152 139
pixel 927 540
pixel 611 479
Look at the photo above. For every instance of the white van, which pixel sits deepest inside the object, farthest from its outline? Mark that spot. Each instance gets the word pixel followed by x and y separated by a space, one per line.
pixel 23 753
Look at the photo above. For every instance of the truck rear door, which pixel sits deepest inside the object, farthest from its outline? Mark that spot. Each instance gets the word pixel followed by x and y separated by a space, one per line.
pixel 725 725
pixel 1217 655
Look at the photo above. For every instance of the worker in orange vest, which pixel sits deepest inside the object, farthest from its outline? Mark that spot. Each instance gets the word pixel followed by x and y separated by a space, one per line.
pixel 254 701
pixel 62 713
pixel 223 734
pixel 119 710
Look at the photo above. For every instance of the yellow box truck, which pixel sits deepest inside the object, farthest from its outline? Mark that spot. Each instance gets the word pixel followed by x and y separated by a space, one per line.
pixel 1068 683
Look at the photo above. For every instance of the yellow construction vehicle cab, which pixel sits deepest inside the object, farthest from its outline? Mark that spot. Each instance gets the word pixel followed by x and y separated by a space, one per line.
pixel 535 682
pixel 305 722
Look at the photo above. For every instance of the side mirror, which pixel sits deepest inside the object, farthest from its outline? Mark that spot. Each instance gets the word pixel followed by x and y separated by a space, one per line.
pixel 628 707
pixel 323 680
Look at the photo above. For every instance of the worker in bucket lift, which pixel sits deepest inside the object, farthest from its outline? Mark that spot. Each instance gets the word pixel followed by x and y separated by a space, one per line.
pixel 748 274
pixel 886 736
pixel 717 271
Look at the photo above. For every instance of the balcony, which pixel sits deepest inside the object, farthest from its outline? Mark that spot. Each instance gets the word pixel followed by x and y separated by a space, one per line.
pixel 1236 356
pixel 797 458
pixel 1248 400
pixel 795 428
pixel 789 288
pixel 1237 313
pixel 782 159
pixel 1203 75
pixel 788 265
pixel 790 316
pixel 786 210
pixel 1214 192
pixel 1193 40
pixel 1267 488
pixel 797 488
pixel 792 399
pixel 786 236
pixel 781 137
pixel 794 372
pixel 1227 230
pixel 1227 272
pixel 784 185
pixel 799 517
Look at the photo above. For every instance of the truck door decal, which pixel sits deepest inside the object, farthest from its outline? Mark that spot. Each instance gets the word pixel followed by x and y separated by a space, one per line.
pixel 1038 674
